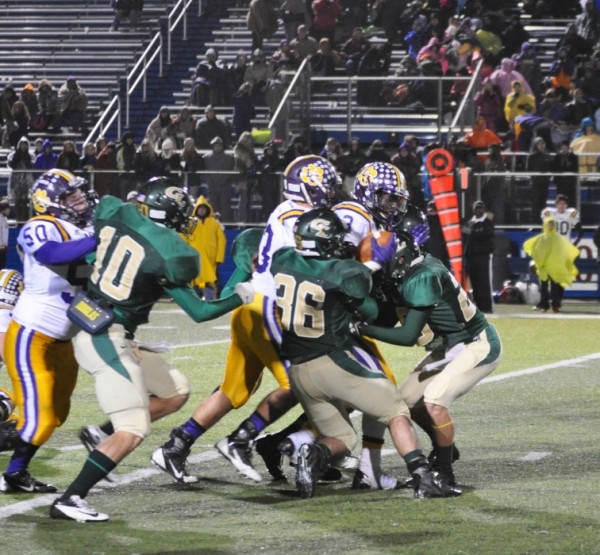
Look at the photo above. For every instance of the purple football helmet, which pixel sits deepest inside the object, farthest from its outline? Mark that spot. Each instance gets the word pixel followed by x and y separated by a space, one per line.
pixel 381 187
pixel 61 194
pixel 310 179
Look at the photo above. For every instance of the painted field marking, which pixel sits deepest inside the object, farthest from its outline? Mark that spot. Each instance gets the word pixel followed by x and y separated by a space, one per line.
pixel 534 456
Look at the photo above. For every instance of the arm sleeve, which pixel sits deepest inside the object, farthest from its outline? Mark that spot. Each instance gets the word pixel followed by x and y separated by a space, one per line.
pixel 199 310
pixel 406 335
pixel 238 276
pixel 55 252
pixel 368 310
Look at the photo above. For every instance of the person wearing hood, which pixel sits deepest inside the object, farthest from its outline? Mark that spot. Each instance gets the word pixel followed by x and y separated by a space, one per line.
pixel 28 97
pixel 376 152
pixel 21 160
pixel 47 98
pixel 489 40
pixel 435 52
pixel 72 102
pixel 586 145
pixel 258 70
pixel 481 138
pixel 169 159
pixel 505 75
pixel 529 67
pixel 184 125
pixel 554 263
pixel 160 127
pixel 207 237
pixel 489 105
pixel 209 127
pixel 518 103
pixel 270 165
pixel 7 99
pixel 125 156
pixel 47 159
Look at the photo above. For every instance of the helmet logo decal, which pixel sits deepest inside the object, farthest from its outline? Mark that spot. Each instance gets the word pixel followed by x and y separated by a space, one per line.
pixel 312 175
pixel 320 227
pixel 177 194
pixel 40 200
pixel 366 175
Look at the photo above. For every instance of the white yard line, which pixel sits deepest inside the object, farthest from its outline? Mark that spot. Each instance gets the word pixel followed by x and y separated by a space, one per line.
pixel 141 474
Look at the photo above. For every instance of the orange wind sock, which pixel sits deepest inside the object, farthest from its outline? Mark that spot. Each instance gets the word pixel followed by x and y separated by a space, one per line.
pixel 439 164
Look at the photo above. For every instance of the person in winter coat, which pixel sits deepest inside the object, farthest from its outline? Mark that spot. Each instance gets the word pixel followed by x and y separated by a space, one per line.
pixel 539 161
pixel 270 165
pixel 184 125
pixel 46 160
pixel 207 237
pixel 209 82
pixel 586 145
pixel 481 138
pixel 246 163
pixel 219 184
pixel 125 160
pixel 107 181
pixel 243 109
pixel 169 160
pixel 518 103
pixel 410 165
pixel 350 162
pixel 68 159
pixel 326 13
pixel 209 127
pixel 47 97
pixel 145 163
pixel 490 105
pixel 353 49
pixel 72 103
pixel 505 75
pixel 21 180
pixel 262 20
pixel 160 128
pixel 529 67
pixel 88 161
pixel 192 163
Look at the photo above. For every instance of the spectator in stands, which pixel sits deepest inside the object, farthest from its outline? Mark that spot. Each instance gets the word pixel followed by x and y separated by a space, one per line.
pixel 297 147
pixel 107 181
pixel 417 37
pixel 565 162
pixel 578 109
pixel 209 82
pixel 354 49
pixel 243 109
pixel 270 165
pixel 219 184
pixel 326 13
pixel 517 103
pixel 246 163
pixel 294 13
pixel 489 105
pixel 513 35
pixel 131 9
pixel 586 145
pixel 145 162
pixel 160 128
pixel 38 147
pixel 169 159
pixel 184 125
pixel 125 162
pixel 88 161
pixel 529 67
pixel 21 161
pixel 588 23
pixel 388 15
pixel 350 162
pixel 480 139
pixel 562 72
pixel 19 123
pixel 100 144
pixel 375 63
pixel 262 20
pixel 209 127
pixel 539 161
pixel 284 58
pixel 555 113
pixel 326 59
pixel 332 151
pixel 410 165
pixel 527 127
pixel 235 75
pixel 376 152
pixel 72 102
pixel 47 97
pixel 68 159
pixel 589 83
pixel 506 75
pixel 29 98
pixel 489 40
pixel 495 187
pixel 435 52
pixel 7 99
pixel 304 44
pixel 46 160
pixel 258 70
pixel 577 47
pixel 192 162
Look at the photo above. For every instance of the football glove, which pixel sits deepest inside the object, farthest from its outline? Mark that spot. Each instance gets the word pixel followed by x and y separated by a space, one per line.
pixel 381 254
pixel 356 328
pixel 245 291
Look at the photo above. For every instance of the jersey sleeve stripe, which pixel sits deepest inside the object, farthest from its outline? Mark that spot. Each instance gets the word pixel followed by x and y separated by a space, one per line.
pixel 59 227
pixel 354 208
pixel 290 214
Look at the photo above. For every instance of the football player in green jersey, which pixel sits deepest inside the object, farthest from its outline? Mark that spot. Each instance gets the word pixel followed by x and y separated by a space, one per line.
pixel 318 294
pixel 139 256
pixel 463 347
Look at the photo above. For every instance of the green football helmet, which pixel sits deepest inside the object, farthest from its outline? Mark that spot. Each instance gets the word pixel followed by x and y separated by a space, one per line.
pixel 320 233
pixel 163 201
pixel 406 255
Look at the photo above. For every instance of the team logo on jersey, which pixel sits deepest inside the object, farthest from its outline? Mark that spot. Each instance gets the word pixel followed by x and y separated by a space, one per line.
pixel 177 194
pixel 40 200
pixel 312 175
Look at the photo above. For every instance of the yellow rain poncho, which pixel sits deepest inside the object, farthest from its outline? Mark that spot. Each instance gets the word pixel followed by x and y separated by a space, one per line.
pixel 553 255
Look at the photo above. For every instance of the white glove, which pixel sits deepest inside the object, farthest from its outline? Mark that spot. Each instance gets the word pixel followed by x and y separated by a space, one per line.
pixel 245 291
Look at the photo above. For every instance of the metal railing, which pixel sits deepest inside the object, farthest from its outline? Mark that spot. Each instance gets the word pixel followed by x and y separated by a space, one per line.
pixel 466 108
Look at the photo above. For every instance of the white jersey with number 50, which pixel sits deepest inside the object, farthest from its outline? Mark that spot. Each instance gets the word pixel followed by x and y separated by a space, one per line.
pixel 48 290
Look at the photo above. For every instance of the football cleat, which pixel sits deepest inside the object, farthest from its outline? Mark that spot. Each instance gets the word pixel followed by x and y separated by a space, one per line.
pixel 312 463
pixel 362 480
pixel 330 475
pixel 91 437
pixel 23 482
pixel 172 456
pixel 266 447
pixel 239 454
pixel 77 509
pixel 428 485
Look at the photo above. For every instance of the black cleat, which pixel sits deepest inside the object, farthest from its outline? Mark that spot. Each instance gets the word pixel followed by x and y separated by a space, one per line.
pixel 239 454
pixel 172 456
pixel 428 485
pixel 266 447
pixel 23 482
pixel 312 463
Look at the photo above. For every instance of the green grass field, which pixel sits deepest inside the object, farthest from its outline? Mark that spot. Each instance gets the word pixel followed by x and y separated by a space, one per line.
pixel 529 465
